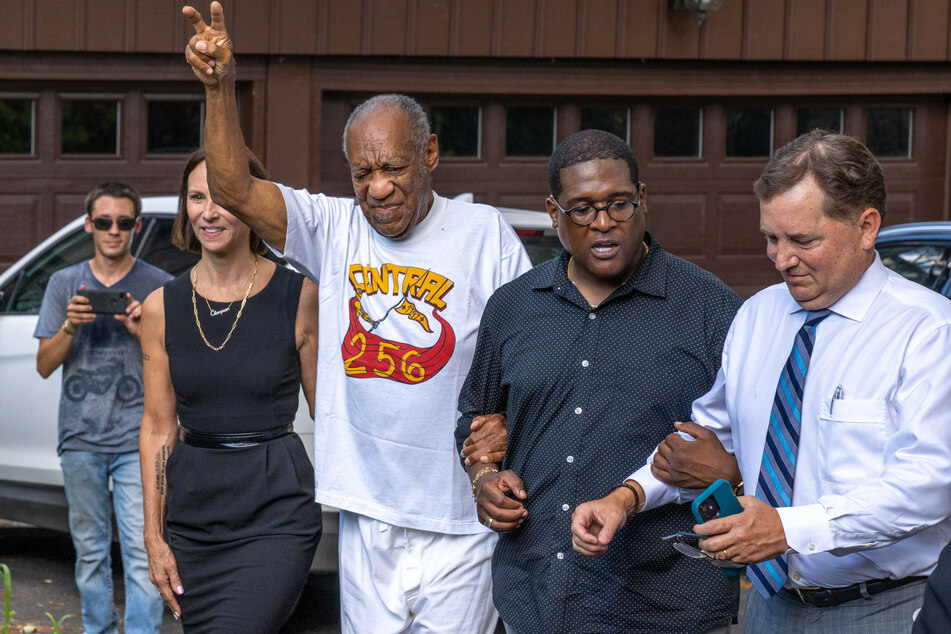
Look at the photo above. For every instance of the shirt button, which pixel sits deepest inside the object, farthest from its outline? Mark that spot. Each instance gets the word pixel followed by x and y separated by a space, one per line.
pixel 591 315
pixel 560 555
pixel 565 507
pixel 796 577
pixel 584 363
pixel 577 410
pixel 570 458
pixel 812 546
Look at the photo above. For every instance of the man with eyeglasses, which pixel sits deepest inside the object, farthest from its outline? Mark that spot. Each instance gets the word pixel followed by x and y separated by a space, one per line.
pixel 592 356
pixel 100 409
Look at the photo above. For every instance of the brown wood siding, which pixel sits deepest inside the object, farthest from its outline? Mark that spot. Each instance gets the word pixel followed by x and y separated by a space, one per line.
pixel 843 40
pixel 767 30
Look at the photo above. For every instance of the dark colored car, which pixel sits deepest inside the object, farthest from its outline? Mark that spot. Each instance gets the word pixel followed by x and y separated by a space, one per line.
pixel 918 251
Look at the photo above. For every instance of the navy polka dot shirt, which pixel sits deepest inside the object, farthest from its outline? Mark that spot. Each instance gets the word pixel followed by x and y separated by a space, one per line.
pixel 589 393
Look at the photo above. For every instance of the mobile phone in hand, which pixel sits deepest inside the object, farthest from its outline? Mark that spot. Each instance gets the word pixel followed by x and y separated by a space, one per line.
pixel 717 500
pixel 105 302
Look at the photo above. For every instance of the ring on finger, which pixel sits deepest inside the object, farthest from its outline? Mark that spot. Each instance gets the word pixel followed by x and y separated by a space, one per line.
pixel 723 552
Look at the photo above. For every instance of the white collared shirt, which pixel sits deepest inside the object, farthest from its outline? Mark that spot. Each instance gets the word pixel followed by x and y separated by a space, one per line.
pixel 872 492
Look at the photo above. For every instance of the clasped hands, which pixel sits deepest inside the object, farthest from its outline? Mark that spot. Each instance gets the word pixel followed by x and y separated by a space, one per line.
pixel 495 504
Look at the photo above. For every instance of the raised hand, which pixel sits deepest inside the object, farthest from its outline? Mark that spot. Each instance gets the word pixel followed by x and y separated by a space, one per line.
pixel 210 51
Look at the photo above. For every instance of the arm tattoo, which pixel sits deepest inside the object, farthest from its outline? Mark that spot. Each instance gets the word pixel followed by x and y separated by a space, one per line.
pixel 161 457
pixel 146 357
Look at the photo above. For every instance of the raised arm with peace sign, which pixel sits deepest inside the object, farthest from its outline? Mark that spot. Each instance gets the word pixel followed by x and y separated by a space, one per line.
pixel 209 51
pixel 257 203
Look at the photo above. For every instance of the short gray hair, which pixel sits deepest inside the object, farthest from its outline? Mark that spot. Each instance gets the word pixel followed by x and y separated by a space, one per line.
pixel 418 121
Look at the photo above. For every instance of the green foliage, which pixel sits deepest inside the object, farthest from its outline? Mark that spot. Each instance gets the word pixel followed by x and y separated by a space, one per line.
pixel 7 612
pixel 59 623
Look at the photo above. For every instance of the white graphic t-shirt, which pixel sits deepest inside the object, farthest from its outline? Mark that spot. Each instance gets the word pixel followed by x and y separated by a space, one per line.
pixel 398 325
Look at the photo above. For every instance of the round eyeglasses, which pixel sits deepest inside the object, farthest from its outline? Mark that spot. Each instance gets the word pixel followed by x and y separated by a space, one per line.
pixel 583 215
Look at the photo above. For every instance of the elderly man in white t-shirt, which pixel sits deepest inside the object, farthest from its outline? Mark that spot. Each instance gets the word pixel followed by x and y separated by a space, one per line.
pixel 404 275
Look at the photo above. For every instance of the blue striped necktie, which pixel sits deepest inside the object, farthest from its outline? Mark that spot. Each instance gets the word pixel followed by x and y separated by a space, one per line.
pixel 775 484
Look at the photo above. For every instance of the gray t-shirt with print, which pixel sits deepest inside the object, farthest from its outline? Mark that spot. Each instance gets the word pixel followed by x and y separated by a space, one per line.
pixel 101 405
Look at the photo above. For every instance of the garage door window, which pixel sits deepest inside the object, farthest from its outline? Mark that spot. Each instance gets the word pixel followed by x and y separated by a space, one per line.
pixel 808 119
pixel 90 126
pixel 613 120
pixel 17 126
pixel 677 132
pixel 888 132
pixel 459 130
pixel 174 127
pixel 529 131
pixel 749 133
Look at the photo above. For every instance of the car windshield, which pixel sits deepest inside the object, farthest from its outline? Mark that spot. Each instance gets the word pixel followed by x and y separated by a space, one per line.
pixel 25 292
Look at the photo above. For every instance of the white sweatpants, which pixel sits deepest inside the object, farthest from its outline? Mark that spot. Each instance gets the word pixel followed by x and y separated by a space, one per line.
pixel 395 579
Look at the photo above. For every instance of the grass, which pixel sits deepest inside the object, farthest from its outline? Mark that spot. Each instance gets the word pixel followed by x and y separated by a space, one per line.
pixel 7 612
pixel 57 624
pixel 7 585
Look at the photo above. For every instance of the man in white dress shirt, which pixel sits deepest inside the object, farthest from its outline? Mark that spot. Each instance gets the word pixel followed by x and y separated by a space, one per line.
pixel 866 507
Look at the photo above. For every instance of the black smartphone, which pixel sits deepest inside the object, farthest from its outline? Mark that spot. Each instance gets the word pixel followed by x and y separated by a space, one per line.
pixel 105 302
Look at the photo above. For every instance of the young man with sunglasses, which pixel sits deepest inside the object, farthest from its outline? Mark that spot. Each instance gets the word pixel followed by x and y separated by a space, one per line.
pixel 592 356
pixel 101 407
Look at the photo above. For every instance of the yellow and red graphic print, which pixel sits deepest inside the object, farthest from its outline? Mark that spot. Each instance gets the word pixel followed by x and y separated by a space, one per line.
pixel 367 355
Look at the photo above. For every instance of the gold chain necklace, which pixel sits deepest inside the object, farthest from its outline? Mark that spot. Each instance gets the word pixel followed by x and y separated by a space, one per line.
pixel 571 262
pixel 244 301
pixel 215 313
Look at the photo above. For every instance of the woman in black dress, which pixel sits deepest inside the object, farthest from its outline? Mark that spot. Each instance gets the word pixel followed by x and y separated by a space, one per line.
pixel 231 525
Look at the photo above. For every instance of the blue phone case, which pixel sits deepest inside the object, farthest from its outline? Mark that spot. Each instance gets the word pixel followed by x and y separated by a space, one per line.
pixel 722 493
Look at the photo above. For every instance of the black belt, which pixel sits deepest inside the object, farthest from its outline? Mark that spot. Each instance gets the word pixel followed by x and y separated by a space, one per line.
pixel 828 597
pixel 207 440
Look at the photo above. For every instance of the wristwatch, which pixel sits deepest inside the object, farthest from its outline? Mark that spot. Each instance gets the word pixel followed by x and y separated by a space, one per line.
pixel 69 331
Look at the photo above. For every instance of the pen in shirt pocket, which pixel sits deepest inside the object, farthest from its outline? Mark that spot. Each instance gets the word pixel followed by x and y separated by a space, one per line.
pixel 836 396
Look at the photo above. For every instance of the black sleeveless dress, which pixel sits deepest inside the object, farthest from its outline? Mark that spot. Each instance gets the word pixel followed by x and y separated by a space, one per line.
pixel 242 523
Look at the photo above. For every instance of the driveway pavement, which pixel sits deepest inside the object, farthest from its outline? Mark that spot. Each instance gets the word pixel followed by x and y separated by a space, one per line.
pixel 41 566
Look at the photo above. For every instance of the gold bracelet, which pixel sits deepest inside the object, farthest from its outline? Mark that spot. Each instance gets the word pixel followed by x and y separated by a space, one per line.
pixel 475 480
pixel 69 331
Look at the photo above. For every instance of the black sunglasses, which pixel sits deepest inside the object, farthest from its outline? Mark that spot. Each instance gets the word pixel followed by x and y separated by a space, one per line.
pixel 105 224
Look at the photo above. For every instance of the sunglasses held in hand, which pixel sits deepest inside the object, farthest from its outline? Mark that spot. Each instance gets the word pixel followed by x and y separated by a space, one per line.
pixel 681 546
